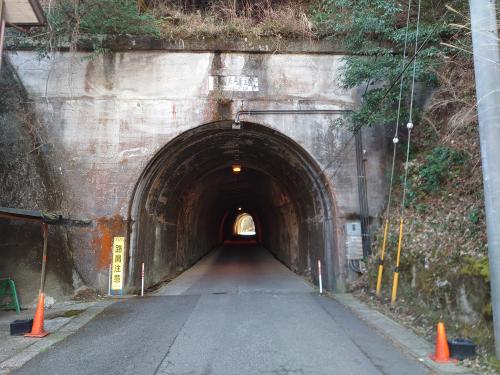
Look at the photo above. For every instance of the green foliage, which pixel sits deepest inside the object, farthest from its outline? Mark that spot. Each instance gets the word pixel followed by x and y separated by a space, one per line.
pixel 374 31
pixel 421 208
pixel 476 267
pixel 411 193
pixel 441 164
pixel 71 21
pixel 488 311
pixel 363 24
pixel 438 166
pixel 495 363
pixel 100 17
pixel 474 216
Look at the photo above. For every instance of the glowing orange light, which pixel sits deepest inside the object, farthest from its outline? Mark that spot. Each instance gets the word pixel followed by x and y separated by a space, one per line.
pixel 236 168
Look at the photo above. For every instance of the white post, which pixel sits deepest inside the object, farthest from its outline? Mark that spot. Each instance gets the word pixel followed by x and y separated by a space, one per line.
pixel 142 280
pixel 109 280
pixel 319 278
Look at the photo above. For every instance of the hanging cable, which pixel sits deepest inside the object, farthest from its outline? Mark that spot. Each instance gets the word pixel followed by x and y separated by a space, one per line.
pixel 395 141
pixel 409 126
pixel 388 90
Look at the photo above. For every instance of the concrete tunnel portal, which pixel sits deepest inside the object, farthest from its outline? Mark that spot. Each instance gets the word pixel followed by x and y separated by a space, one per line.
pixel 188 198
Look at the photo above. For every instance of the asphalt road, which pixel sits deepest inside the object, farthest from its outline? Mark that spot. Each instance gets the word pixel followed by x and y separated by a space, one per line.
pixel 238 311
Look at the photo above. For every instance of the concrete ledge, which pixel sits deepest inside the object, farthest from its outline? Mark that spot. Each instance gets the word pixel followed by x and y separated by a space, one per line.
pixel 400 336
pixel 147 43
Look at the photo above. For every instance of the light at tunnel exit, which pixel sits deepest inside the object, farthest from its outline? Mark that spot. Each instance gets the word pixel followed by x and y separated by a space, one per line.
pixel 244 225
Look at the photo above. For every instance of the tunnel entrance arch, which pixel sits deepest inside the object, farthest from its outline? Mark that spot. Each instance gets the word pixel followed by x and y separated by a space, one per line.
pixel 188 188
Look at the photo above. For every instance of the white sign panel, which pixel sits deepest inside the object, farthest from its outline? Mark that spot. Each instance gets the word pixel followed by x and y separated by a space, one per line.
pixel 233 83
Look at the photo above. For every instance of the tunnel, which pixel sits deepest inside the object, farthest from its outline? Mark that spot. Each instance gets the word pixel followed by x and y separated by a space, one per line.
pixel 189 197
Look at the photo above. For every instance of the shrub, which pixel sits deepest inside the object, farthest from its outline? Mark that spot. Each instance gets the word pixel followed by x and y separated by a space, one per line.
pixel 374 31
pixel 438 166
pixel 70 21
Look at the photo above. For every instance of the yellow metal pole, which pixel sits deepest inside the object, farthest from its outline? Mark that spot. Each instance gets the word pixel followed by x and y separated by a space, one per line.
pixel 396 270
pixel 381 259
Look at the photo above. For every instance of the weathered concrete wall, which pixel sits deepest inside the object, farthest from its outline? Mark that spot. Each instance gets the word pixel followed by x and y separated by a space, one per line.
pixel 26 183
pixel 107 118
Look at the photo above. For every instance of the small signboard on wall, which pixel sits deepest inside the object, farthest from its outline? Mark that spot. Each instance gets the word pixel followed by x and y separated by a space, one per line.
pixel 354 244
pixel 233 83
pixel 117 265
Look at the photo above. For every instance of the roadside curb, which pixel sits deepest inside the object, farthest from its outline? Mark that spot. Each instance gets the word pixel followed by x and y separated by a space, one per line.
pixel 400 336
pixel 40 345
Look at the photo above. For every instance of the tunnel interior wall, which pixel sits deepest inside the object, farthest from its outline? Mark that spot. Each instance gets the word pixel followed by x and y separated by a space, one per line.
pixel 283 238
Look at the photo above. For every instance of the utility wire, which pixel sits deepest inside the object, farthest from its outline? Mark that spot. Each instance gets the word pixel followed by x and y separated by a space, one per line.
pixel 410 121
pixel 395 141
pixel 409 126
pixel 417 51
pixel 395 81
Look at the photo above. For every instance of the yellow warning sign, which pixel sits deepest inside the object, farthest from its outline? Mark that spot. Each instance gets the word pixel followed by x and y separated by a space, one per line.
pixel 117 263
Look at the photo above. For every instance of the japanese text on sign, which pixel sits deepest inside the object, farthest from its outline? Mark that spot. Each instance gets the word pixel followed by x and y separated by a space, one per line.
pixel 117 263
pixel 233 83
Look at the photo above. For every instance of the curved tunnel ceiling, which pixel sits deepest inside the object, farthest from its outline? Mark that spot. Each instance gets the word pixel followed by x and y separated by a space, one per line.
pixel 216 147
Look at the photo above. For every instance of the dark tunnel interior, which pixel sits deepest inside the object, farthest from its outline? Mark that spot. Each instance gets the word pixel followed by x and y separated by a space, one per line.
pixel 187 200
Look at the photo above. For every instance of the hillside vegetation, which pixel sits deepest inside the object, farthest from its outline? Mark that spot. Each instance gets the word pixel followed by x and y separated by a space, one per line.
pixel 74 24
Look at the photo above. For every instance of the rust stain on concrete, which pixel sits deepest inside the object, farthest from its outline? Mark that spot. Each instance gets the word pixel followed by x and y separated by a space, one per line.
pixel 89 77
pixel 107 228
pixel 174 112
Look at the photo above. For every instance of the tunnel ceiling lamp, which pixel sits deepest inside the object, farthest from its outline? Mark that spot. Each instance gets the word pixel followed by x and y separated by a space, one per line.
pixel 236 168
pixel 239 208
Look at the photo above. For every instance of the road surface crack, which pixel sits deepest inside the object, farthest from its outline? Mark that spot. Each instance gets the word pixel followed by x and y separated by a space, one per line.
pixel 168 362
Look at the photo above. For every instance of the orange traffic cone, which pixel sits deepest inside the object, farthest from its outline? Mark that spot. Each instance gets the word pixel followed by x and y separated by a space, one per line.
pixel 37 329
pixel 442 354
